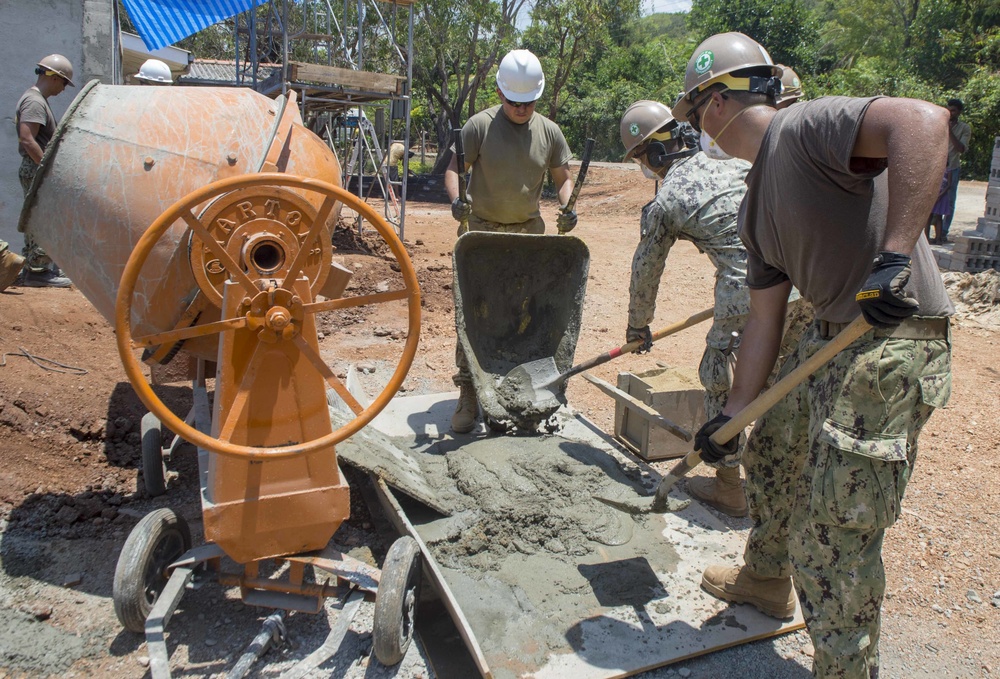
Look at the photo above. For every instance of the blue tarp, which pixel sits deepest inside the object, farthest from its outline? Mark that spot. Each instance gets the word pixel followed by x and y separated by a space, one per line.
pixel 164 22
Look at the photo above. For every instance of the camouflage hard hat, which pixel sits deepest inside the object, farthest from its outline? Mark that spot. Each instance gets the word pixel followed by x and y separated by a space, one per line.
pixel 719 56
pixel 791 86
pixel 59 65
pixel 645 120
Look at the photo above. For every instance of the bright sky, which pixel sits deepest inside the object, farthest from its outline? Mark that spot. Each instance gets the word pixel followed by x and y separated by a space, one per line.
pixel 668 6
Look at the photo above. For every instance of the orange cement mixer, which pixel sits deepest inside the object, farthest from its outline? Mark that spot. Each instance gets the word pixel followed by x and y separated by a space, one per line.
pixel 200 220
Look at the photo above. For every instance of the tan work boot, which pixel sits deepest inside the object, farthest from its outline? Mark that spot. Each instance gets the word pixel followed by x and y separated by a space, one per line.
pixel 464 419
pixel 771 596
pixel 724 492
pixel 10 267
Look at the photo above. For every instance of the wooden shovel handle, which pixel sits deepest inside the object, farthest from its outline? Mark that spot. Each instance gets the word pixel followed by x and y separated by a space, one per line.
pixel 761 405
pixel 769 398
pixel 632 346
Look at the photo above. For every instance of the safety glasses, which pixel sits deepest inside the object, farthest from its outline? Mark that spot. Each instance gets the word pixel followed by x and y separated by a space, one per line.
pixel 520 104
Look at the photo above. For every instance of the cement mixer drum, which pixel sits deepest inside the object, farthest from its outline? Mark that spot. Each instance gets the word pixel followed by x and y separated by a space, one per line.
pixel 123 155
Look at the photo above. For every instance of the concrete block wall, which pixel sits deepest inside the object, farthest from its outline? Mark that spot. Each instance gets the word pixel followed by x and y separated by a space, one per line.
pixel 979 249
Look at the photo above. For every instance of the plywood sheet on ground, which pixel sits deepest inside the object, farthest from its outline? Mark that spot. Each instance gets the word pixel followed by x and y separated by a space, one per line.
pixel 550 582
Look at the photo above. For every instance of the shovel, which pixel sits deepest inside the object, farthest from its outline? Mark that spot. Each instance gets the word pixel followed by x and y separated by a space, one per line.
pixel 535 385
pixel 660 502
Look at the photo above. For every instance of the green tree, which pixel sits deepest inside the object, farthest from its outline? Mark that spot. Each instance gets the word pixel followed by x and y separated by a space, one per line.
pixel 457 47
pixel 785 28
pixel 565 33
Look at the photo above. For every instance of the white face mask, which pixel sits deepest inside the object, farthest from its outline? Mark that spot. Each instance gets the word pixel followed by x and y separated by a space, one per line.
pixel 711 147
pixel 649 174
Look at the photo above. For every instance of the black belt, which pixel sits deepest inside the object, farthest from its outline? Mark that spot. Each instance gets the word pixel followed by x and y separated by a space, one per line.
pixel 913 328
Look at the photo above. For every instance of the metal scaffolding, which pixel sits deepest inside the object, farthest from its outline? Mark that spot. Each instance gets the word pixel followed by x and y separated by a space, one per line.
pixel 351 65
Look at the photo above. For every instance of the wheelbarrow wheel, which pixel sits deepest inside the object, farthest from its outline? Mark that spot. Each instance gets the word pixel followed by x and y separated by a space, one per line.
pixel 158 540
pixel 154 471
pixel 396 601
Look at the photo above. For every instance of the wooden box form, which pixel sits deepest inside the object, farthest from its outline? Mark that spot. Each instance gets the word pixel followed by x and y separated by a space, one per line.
pixel 676 394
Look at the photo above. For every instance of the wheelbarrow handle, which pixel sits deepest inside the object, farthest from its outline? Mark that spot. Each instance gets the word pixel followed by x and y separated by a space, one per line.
pixel 763 403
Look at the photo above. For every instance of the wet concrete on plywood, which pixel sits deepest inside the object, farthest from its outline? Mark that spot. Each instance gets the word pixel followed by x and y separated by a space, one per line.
pixel 554 583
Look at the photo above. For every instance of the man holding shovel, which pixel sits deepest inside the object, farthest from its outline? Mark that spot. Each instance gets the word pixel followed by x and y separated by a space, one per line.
pixel 836 204
pixel 509 148
pixel 698 201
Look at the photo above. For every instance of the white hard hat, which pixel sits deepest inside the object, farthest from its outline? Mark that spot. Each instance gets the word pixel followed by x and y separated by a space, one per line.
pixel 520 76
pixel 154 70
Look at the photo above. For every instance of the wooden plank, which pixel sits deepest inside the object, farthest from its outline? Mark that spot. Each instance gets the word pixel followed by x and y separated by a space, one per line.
pixel 345 77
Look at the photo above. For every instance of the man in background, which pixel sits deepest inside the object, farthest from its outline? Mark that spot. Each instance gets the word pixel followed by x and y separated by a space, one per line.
pixel 509 148
pixel 36 125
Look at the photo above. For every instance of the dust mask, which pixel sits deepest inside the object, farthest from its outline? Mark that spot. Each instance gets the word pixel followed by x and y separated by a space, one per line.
pixel 648 173
pixel 711 146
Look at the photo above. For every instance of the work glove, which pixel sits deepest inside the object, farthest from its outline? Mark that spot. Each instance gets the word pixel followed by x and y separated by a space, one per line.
pixel 640 335
pixel 461 209
pixel 882 299
pixel 710 451
pixel 566 221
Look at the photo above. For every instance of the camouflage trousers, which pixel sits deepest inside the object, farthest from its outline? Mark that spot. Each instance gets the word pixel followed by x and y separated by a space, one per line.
pixel 715 370
pixel 35 258
pixel 826 472
pixel 535 226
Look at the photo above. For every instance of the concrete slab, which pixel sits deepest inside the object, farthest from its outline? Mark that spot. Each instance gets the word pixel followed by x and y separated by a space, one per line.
pixel 603 594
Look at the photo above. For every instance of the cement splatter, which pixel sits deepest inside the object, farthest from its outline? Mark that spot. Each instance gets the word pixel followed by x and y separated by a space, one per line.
pixel 37 648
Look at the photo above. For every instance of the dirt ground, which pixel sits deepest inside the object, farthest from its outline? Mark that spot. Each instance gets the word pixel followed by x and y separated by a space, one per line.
pixel 69 454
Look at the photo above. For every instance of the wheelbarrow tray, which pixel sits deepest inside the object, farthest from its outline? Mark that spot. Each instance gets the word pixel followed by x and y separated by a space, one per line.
pixel 518 298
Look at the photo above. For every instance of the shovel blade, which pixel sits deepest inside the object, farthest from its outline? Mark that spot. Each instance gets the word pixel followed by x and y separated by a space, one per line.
pixel 630 503
pixel 531 385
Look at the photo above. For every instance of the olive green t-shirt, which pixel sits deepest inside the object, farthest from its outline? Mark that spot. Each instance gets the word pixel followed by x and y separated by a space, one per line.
pixel 509 163
pixel 32 108
pixel 816 216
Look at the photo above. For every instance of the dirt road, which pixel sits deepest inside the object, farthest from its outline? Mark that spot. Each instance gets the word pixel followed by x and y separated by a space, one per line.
pixel 69 450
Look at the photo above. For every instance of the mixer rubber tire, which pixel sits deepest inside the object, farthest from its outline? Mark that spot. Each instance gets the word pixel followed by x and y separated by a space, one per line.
pixel 396 601
pixel 154 471
pixel 158 540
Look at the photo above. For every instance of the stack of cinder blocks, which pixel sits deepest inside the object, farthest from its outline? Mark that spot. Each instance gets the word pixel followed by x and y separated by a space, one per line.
pixel 979 250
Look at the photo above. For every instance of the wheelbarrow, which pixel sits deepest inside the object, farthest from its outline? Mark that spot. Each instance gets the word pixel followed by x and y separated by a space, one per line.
pixel 518 298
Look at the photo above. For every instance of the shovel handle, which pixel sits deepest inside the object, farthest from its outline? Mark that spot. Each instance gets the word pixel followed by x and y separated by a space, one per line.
pixel 632 346
pixel 456 133
pixel 588 148
pixel 762 404
pixel 769 398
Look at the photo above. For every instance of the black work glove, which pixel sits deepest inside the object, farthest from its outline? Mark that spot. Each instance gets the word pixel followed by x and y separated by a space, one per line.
pixel 461 209
pixel 882 299
pixel 566 221
pixel 640 335
pixel 710 451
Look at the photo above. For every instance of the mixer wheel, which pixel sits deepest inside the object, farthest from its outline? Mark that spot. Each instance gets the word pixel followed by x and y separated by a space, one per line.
pixel 154 471
pixel 396 601
pixel 158 540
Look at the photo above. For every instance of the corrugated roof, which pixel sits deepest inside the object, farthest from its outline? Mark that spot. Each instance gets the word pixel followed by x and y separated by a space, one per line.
pixel 218 72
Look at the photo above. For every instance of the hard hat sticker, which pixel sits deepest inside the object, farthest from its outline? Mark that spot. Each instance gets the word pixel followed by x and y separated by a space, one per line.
pixel 704 62
pixel 634 129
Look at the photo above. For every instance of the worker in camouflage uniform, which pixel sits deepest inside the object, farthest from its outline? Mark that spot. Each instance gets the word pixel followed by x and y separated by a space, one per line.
pixel 509 148
pixel 836 203
pixel 697 202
